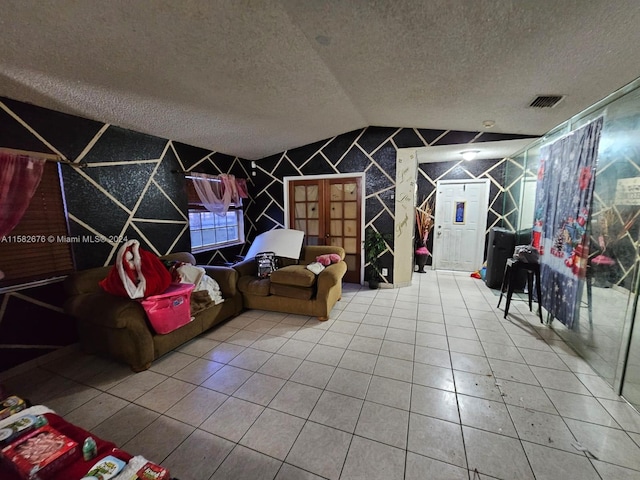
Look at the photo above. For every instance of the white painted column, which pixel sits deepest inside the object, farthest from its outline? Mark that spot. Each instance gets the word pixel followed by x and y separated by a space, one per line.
pixel 405 216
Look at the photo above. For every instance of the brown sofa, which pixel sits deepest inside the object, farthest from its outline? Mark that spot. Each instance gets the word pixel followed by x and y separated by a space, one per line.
pixel 118 326
pixel 293 288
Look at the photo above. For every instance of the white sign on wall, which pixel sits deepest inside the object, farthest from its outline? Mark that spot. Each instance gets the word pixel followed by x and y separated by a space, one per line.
pixel 628 191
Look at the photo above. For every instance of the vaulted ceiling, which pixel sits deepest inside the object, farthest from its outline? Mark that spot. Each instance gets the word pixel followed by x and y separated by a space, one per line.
pixel 256 77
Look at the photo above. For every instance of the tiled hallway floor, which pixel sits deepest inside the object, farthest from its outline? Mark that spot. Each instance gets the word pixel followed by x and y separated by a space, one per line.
pixel 424 382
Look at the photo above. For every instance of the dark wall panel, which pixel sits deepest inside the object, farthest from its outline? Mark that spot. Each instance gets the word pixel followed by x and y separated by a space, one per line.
pixel 130 188
pixel 67 133
pixel 373 151
pixel 133 187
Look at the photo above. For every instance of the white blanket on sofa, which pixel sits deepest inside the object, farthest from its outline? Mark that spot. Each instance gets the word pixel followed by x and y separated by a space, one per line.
pixel 197 275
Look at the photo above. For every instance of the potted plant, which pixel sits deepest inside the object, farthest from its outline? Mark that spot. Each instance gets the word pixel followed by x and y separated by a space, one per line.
pixel 424 223
pixel 374 246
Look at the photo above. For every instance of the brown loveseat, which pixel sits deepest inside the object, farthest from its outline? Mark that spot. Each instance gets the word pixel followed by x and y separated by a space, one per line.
pixel 293 288
pixel 118 326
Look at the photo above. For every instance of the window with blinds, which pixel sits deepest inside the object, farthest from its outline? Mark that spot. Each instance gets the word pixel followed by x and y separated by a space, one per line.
pixel 210 231
pixel 36 249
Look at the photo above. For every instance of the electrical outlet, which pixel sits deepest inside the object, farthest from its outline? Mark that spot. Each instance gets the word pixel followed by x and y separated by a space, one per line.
pixel 385 272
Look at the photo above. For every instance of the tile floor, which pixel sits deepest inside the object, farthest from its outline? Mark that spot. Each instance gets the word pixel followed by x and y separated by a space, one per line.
pixel 600 339
pixel 423 382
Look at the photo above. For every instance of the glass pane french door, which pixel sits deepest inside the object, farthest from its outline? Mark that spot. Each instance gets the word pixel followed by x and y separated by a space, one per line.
pixel 328 211
pixel 305 210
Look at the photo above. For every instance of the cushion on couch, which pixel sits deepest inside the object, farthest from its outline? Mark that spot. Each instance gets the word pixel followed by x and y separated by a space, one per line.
pixel 328 258
pixel 254 286
pixel 294 275
pixel 288 291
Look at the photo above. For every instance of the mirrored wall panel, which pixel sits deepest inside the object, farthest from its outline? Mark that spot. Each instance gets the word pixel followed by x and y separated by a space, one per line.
pixel 604 333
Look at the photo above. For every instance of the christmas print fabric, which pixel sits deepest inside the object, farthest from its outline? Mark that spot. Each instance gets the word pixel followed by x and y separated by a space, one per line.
pixel 566 175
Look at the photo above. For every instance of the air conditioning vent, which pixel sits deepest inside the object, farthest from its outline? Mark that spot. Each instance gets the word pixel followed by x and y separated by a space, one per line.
pixel 546 101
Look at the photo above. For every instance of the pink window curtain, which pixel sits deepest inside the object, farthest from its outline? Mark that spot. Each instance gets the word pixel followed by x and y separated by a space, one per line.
pixel 218 193
pixel 19 177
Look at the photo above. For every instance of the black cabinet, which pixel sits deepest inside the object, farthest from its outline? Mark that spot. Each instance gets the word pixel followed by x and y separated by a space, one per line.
pixel 502 243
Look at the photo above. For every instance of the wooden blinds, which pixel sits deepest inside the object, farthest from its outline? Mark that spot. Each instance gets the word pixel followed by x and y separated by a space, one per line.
pixel 192 197
pixel 39 246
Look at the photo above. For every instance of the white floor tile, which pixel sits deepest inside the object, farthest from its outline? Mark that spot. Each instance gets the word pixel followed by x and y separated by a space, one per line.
pixel 420 468
pixel 320 450
pixel 607 444
pixel 373 461
pixel 273 433
pixel 542 428
pixel 581 407
pixel 383 424
pixel 486 415
pixel 427 381
pixel 496 455
pixel 337 411
pixel 437 439
pixel 551 464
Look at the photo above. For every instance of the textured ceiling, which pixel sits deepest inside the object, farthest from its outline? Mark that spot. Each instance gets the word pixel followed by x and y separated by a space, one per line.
pixel 255 77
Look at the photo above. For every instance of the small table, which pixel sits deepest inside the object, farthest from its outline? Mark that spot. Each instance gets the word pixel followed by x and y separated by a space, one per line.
pixel 511 271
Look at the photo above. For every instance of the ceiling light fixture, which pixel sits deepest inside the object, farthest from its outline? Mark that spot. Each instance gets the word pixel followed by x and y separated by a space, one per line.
pixel 470 154
pixel 488 123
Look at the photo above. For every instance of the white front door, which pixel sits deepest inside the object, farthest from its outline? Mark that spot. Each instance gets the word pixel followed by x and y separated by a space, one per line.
pixel 460 224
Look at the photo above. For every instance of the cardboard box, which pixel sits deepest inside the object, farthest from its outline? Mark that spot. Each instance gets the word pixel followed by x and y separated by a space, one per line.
pixel 139 468
pixel 151 471
pixel 11 405
pixel 40 453
pixel 22 425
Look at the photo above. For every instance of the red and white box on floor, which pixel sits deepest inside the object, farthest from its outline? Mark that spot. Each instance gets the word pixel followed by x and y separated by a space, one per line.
pixel 40 453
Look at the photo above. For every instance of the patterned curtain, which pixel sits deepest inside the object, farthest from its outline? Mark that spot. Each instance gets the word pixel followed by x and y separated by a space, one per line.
pixel 566 177
pixel 19 177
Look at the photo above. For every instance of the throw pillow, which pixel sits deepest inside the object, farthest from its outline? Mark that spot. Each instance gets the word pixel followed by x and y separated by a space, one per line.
pixel 328 258
pixel 335 258
pixel 323 260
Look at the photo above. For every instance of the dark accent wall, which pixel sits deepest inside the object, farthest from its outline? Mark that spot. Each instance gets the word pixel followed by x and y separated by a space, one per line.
pixel 128 189
pixel 373 150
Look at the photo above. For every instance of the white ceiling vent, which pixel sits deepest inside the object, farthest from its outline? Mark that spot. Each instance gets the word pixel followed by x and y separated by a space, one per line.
pixel 546 101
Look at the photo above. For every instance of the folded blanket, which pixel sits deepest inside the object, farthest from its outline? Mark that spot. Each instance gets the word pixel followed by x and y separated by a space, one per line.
pixel 210 285
pixel 196 275
pixel 315 267
pixel 190 274
pixel 200 301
